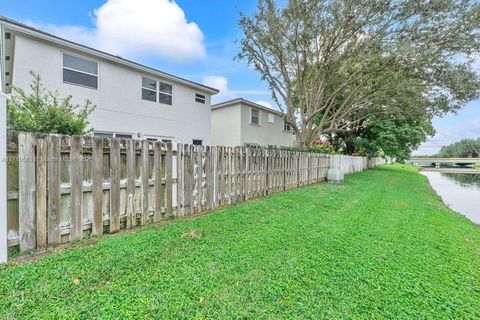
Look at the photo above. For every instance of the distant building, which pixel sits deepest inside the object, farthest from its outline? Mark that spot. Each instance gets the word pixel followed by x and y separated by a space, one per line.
pixel 241 122
pixel 132 100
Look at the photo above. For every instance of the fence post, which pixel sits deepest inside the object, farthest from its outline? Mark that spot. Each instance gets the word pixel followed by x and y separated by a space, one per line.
pixel 3 178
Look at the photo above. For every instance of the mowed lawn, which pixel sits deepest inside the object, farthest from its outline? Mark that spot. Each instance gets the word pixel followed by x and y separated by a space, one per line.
pixel 382 245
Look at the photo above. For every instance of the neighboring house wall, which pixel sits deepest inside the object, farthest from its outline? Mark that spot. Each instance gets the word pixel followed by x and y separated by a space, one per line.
pixel 120 107
pixel 226 126
pixel 231 125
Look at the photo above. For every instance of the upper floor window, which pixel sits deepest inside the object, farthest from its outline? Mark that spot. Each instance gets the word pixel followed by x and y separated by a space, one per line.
pixel 165 93
pixel 197 142
pixel 286 126
pixel 255 116
pixel 80 71
pixel 199 98
pixel 271 118
pixel 156 91
pixel 149 89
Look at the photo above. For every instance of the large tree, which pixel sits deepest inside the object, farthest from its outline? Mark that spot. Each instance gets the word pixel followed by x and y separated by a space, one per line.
pixel 329 64
pixel 399 126
pixel 383 136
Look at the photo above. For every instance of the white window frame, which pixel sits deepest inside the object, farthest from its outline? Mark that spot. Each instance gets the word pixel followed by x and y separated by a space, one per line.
pixel 80 71
pixel 259 116
pixel 149 89
pixel 166 93
pixel 271 117
pixel 159 138
pixel 287 125
pixel 157 89
pixel 114 134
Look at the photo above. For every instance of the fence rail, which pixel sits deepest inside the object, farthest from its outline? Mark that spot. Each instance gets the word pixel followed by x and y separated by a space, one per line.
pixel 61 188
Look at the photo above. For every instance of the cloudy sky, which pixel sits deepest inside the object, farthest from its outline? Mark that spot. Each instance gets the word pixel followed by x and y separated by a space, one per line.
pixel 194 39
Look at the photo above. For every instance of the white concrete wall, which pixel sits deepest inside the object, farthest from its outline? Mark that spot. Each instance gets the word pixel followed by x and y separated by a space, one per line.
pixel 3 178
pixel 266 133
pixel 120 107
pixel 226 126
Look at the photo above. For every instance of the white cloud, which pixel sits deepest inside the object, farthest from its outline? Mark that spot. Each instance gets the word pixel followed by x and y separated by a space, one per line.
pixel 252 92
pixel 264 103
pixel 476 123
pixel 434 144
pixel 220 83
pixel 135 27
pixel 78 34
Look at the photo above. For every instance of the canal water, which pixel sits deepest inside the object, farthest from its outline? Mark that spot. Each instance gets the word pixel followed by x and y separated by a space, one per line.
pixel 459 191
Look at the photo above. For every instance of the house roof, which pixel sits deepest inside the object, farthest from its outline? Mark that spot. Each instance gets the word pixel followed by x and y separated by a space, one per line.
pixel 26 29
pixel 233 102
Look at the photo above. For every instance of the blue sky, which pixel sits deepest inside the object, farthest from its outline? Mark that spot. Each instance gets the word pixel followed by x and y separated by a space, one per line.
pixel 194 39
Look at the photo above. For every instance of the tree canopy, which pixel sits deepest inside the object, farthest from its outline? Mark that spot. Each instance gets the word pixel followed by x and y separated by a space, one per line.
pixel 465 148
pixel 45 112
pixel 339 67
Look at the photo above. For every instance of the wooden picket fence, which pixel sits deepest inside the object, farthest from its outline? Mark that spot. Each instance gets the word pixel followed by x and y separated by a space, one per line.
pixel 62 188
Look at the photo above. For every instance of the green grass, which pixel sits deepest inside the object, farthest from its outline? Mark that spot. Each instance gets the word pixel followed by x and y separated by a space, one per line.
pixel 380 246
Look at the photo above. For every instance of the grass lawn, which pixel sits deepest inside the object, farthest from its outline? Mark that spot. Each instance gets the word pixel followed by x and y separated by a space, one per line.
pixel 382 245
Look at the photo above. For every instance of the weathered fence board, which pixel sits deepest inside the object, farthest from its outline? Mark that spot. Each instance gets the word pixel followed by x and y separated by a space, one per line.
pixel 26 193
pixel 115 185
pixel 180 175
pixel 76 185
pixel 41 193
pixel 157 168
pixel 169 180
pixel 130 210
pixel 80 185
pixel 53 178
pixel 97 186
pixel 145 181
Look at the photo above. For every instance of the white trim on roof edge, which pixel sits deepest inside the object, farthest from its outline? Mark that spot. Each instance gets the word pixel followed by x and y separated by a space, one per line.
pixel 246 102
pixel 101 54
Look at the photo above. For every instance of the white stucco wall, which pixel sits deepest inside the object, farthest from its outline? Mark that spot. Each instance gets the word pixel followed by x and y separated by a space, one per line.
pixel 3 179
pixel 266 133
pixel 226 126
pixel 120 107
pixel 231 126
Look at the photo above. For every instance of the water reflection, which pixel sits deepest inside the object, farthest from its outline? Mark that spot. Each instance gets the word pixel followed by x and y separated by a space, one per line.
pixel 459 191
pixel 463 179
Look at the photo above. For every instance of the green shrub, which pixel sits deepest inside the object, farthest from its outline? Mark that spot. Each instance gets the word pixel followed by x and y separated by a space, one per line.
pixel 45 112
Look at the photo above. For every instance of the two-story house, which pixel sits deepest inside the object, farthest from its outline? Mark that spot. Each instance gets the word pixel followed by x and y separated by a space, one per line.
pixel 132 100
pixel 241 122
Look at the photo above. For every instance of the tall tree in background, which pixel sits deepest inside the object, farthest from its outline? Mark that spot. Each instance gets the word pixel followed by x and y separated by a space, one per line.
pixel 329 64
pixel 465 148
